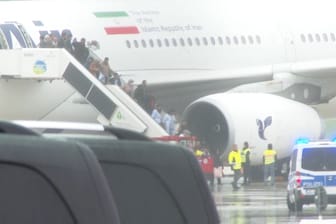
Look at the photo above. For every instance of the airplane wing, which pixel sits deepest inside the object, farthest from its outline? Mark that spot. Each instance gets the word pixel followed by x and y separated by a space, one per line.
pixel 307 69
pixel 312 69
pixel 162 77
pixel 181 87
pixel 178 95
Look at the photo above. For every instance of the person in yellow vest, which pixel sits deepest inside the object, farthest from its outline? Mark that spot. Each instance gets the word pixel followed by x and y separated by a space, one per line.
pixel 235 163
pixel 198 150
pixel 245 158
pixel 269 160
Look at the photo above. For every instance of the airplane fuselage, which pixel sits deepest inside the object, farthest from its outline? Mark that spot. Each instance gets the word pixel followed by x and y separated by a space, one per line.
pixel 204 36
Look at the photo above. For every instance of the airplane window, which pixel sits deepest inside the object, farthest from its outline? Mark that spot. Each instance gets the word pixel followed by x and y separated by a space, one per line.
pixel 143 42
pixel 250 38
pixel 332 36
pixel 205 41
pixel 228 40
pixel 197 41
pixel 303 38
pixel 174 42
pixel 318 38
pixel 235 40
pixel 258 39
pixel 220 40
pixel 243 39
pixel 310 37
pixel 213 41
pixel 325 37
pixel 128 43
pixel 151 43
pixel 159 43
pixel 166 42
pixel 182 42
pixel 136 45
pixel 190 41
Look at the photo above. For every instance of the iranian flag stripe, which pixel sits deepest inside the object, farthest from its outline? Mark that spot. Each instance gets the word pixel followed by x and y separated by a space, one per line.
pixel 121 30
pixel 120 23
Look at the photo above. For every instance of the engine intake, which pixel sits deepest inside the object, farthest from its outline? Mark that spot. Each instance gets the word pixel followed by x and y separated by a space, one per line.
pixel 222 120
pixel 209 124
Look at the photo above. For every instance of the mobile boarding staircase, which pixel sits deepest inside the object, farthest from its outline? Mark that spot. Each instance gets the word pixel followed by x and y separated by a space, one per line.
pixel 37 83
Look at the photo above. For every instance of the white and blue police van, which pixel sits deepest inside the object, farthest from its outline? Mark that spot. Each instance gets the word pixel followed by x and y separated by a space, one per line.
pixel 312 174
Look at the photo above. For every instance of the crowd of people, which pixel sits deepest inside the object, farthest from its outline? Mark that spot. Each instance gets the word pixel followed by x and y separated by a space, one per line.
pixel 77 48
pixel 80 50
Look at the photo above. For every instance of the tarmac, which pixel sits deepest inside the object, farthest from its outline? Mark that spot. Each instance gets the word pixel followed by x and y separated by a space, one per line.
pixel 257 203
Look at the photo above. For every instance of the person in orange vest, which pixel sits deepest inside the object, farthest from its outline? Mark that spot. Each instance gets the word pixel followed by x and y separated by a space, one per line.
pixel 236 166
pixel 269 160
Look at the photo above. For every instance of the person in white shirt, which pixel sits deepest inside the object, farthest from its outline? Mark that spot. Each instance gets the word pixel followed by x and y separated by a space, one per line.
pixel 156 114
pixel 129 88
pixel 169 121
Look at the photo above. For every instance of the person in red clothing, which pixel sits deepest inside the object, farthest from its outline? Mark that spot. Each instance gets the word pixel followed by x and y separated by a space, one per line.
pixel 207 165
pixel 218 165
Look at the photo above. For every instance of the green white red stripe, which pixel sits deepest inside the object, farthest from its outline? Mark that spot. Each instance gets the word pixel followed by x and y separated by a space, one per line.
pixel 120 17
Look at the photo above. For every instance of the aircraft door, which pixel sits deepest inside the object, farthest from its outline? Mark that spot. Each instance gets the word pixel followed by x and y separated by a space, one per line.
pixel 3 41
pixel 289 44
pixel 27 37
pixel 16 36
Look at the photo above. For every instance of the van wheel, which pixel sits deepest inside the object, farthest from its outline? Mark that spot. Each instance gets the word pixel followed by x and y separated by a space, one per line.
pixel 294 207
pixel 321 198
pixel 290 205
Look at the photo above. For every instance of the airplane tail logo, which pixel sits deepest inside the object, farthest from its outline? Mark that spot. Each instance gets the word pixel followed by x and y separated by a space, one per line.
pixel 262 126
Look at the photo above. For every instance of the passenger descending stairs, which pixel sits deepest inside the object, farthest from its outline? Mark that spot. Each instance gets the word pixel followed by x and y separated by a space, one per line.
pixel 31 65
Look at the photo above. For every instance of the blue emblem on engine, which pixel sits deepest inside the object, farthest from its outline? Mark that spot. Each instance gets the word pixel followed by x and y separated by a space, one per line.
pixel 263 125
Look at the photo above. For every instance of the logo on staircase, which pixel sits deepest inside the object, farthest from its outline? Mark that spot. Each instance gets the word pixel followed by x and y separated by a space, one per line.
pixel 40 67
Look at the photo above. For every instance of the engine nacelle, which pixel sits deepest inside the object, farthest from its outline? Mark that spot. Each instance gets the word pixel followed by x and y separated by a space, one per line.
pixel 258 118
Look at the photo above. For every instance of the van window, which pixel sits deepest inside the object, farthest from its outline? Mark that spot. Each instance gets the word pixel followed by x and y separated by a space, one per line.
pixel 319 159
pixel 28 197
pixel 131 190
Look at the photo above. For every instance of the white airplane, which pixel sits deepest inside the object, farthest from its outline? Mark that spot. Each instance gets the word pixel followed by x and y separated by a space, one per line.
pixel 196 48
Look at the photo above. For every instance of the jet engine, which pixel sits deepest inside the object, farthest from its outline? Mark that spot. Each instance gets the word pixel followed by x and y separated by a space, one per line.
pixel 224 119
